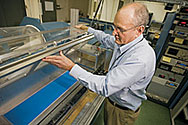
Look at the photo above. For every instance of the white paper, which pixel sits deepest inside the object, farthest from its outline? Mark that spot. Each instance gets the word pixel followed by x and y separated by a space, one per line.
pixel 49 6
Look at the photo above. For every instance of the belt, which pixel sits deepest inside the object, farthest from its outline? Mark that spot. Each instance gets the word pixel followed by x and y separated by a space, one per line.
pixel 121 107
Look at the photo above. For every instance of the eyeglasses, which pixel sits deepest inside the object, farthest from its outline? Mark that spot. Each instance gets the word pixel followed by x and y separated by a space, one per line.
pixel 125 30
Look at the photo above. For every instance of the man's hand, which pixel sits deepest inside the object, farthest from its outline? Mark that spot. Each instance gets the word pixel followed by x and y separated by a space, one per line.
pixel 60 61
pixel 82 27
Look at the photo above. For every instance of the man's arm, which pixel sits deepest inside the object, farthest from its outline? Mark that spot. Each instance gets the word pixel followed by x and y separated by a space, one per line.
pixel 118 78
pixel 106 39
pixel 121 77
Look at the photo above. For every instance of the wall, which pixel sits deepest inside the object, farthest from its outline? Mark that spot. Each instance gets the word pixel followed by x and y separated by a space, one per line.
pixel 82 5
pixel 109 10
pixel 63 14
pixel 33 9
pixel 11 12
pixel 157 9
pixel 92 8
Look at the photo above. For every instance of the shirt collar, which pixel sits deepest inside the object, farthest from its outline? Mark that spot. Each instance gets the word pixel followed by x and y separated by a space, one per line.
pixel 125 47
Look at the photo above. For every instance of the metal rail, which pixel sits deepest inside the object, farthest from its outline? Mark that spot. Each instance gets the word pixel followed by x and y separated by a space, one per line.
pixel 14 66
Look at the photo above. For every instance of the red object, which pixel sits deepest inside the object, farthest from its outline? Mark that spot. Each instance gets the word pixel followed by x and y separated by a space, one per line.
pixel 186 9
pixel 183 23
pixel 98 48
pixel 162 76
pixel 172 79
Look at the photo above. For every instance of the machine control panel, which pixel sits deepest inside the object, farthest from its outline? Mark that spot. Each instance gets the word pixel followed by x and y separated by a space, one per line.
pixel 172 68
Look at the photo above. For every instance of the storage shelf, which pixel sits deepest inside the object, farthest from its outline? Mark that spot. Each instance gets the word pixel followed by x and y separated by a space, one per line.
pixel 178 45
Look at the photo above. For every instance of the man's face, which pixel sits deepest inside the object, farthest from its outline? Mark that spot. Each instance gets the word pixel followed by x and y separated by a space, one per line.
pixel 124 30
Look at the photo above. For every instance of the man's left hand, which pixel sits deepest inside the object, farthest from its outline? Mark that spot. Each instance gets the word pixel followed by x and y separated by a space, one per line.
pixel 60 61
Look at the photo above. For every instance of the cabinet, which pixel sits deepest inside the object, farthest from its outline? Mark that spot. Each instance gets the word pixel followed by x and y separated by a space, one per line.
pixel 172 67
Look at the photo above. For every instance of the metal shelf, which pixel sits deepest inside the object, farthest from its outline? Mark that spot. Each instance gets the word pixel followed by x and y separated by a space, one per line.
pixel 181 105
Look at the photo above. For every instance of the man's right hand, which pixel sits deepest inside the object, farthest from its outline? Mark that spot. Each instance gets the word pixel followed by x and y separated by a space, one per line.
pixel 81 26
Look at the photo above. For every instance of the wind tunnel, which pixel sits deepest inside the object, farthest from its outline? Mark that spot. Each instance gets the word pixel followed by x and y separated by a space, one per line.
pixel 35 92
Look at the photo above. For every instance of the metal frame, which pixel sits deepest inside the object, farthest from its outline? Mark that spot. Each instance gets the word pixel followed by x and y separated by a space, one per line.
pixel 65 97
pixel 90 113
pixel 179 107
pixel 12 67
pixel 180 2
pixel 162 41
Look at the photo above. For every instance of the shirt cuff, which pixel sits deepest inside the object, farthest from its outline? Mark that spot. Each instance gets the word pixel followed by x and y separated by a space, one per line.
pixel 91 30
pixel 77 71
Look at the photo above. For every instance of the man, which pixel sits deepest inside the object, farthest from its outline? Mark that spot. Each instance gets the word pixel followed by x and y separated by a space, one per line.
pixel 131 68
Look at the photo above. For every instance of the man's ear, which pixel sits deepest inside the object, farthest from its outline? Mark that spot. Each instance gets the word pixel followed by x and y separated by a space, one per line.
pixel 142 29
